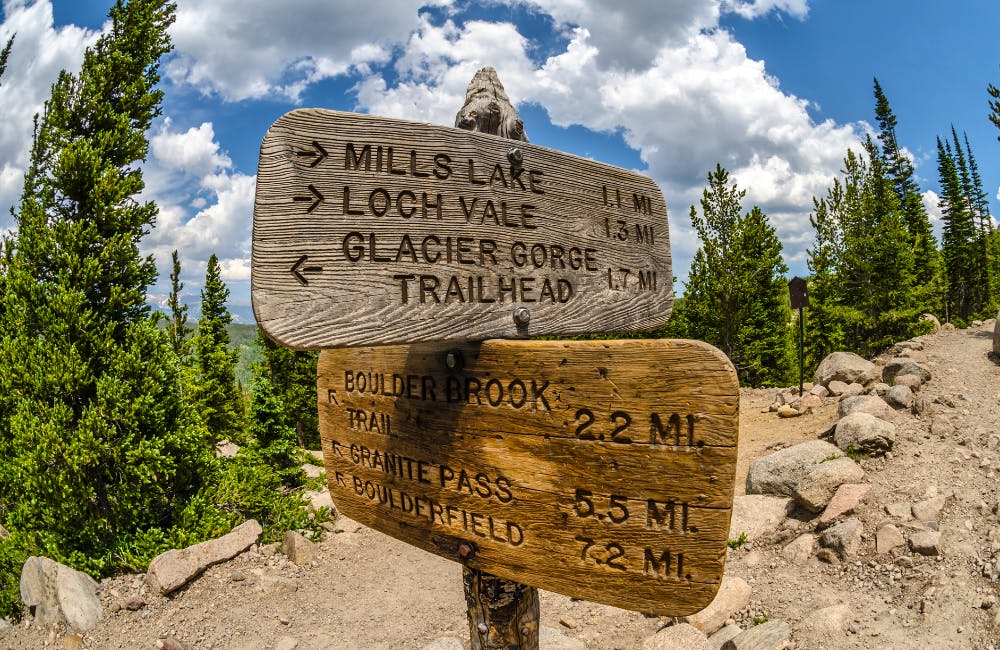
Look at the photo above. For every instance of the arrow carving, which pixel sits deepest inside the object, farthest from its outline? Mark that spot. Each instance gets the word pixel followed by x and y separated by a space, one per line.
pixel 318 156
pixel 315 197
pixel 298 270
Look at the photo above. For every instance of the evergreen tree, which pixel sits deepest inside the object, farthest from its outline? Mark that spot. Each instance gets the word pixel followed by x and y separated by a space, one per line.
pixel 271 438
pixel 735 294
pixel 994 115
pixel 98 449
pixel 177 329
pixel 292 375
pixel 900 170
pixel 215 391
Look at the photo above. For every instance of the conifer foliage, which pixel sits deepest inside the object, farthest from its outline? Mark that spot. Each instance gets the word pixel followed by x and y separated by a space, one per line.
pixel 216 393
pixel 735 297
pixel 97 445
pixel 292 376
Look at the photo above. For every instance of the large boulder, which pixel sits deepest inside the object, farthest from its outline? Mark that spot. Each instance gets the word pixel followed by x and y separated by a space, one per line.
pixel 864 432
pixel 846 367
pixel 870 404
pixel 59 595
pixel 809 472
pixel 904 366
pixel 173 569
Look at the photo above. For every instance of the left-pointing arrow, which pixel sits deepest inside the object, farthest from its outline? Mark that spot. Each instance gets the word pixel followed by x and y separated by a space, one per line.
pixel 298 270
pixel 315 198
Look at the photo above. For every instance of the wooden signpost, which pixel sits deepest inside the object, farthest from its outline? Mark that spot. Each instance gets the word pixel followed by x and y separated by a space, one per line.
pixel 601 470
pixel 370 230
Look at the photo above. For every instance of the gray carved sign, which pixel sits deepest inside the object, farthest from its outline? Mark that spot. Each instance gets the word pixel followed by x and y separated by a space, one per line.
pixel 369 230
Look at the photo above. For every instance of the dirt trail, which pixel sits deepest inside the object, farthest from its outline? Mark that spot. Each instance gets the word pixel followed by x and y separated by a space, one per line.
pixel 367 590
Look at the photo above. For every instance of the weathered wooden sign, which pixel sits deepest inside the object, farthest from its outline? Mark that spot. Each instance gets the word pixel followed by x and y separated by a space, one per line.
pixel 598 469
pixel 370 230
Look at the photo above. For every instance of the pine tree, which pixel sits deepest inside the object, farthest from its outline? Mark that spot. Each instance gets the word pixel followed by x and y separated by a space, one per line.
pixel 900 170
pixel 735 294
pixel 177 328
pixel 215 391
pixel 271 438
pixel 98 449
pixel 994 103
pixel 292 375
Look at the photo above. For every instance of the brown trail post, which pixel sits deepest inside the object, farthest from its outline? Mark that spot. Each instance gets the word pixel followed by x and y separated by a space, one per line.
pixel 503 614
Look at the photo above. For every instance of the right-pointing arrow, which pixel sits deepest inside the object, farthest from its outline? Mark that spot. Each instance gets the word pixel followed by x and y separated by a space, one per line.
pixel 316 198
pixel 318 156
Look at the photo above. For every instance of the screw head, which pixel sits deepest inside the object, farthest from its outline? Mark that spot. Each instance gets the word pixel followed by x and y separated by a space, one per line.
pixel 466 550
pixel 482 628
pixel 522 316
pixel 453 359
pixel 515 156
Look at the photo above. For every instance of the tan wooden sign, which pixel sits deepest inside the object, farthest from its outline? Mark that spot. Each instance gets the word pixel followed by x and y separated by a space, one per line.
pixel 601 470
pixel 369 230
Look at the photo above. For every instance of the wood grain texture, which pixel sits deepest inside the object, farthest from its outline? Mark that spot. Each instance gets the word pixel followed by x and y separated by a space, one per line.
pixel 598 469
pixel 448 238
pixel 503 615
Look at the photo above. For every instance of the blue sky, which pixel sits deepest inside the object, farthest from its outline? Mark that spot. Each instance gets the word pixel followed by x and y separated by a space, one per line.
pixel 775 90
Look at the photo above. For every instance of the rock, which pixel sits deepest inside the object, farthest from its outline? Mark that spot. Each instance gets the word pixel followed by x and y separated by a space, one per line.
pixel 72 642
pixel 900 510
pixel 800 549
pixel 758 515
pixel 772 635
pixel 568 621
pixel 928 509
pixel 819 391
pixel 778 473
pixel 58 595
pixel 677 637
pixel 733 595
pixel 922 406
pixel 870 404
pixel 717 640
pixel 865 433
pixel 837 388
pixel 833 620
pixel 809 403
pixel 880 388
pixel 828 556
pixel 844 538
pixel 852 390
pixel 4 623
pixel 941 426
pixel 3 532
pixel 900 397
pixel 226 449
pixel 933 320
pixel 171 643
pixel 552 639
pixel 319 500
pixel 912 344
pixel 847 497
pixel 298 549
pixel 926 542
pixel 846 367
pixel 788 411
pixel 134 603
pixel 948 327
pixel 904 366
pixel 814 490
pixel 346 525
pixel 291 643
pixel 888 537
pixel 313 471
pixel 173 569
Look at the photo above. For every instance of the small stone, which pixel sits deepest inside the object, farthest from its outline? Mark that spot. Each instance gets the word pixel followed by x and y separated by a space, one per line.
pixel 237 576
pixel 799 550
pixel 115 607
pixel 847 497
pixel 134 603
pixel 72 642
pixel 888 537
pixel 770 636
pixel 729 631
pixel 929 509
pixel 171 643
pixel 837 388
pixel 843 538
pixel 900 397
pixel 926 542
pixel 788 411
pixel 819 391
pixel 677 637
pixel 286 643
pixel 733 595
pixel 832 621
pixel 298 549
pixel 900 510
pixel 568 621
